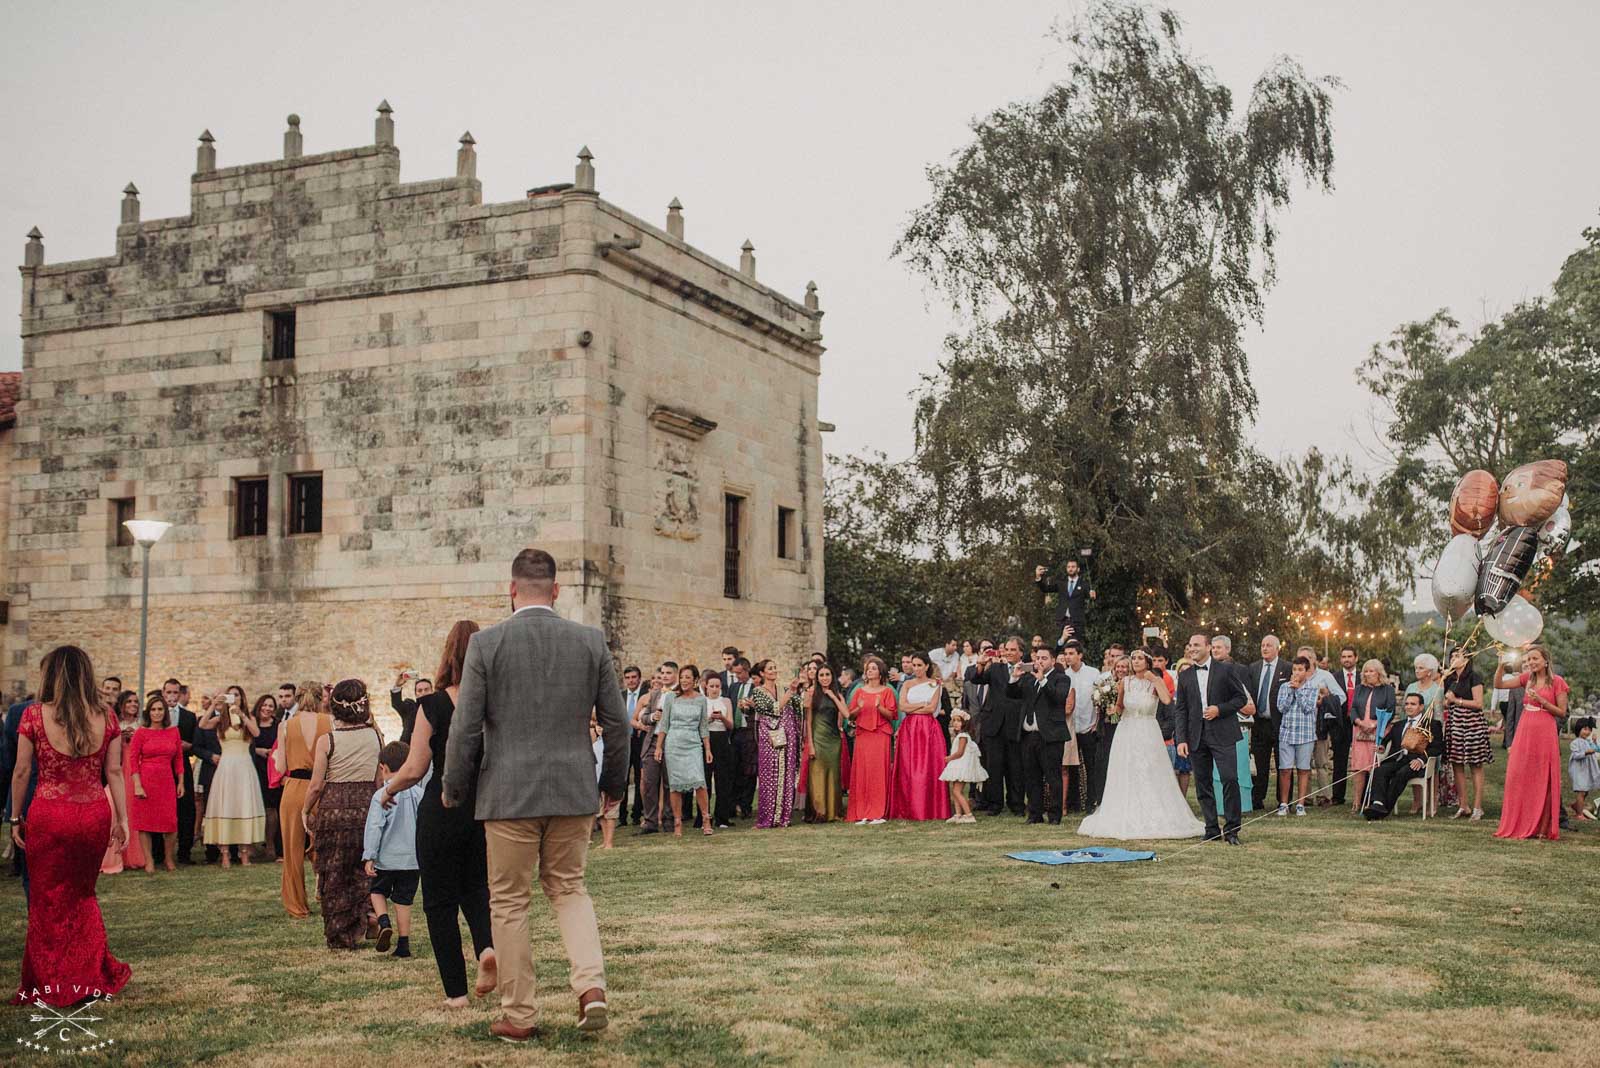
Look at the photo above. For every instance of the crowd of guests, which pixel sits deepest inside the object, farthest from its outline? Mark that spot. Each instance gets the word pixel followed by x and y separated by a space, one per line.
pixel 1026 727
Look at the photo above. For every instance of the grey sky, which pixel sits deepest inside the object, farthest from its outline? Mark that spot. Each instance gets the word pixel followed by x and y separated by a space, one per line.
pixel 1466 158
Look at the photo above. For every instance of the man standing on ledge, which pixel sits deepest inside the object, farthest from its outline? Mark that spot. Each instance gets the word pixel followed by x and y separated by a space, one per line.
pixel 1075 595
pixel 520 742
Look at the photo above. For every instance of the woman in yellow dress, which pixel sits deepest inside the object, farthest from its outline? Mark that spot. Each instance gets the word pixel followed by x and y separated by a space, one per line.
pixel 297 739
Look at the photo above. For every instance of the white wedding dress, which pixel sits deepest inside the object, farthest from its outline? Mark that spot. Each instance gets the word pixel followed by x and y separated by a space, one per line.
pixel 1141 798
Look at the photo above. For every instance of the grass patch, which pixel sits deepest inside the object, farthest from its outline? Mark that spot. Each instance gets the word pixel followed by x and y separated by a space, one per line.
pixel 1325 941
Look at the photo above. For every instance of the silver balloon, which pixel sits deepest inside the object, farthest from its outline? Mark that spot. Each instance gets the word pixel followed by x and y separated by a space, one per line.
pixel 1556 532
pixel 1455 577
pixel 1518 624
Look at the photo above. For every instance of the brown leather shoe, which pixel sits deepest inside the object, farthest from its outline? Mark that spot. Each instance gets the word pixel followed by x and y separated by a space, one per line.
pixel 593 1014
pixel 506 1031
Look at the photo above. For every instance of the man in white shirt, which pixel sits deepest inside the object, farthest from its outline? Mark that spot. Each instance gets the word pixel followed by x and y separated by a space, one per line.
pixel 946 659
pixel 1085 725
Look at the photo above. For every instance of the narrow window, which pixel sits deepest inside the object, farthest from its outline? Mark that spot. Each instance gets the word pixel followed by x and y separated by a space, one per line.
pixel 786 532
pixel 733 518
pixel 121 512
pixel 250 508
pixel 280 335
pixel 305 504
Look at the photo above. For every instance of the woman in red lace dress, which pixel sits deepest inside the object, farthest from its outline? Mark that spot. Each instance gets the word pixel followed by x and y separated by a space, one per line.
pixel 65 959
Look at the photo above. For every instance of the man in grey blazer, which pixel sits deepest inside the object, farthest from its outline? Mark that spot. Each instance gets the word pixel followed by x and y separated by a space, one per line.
pixel 520 744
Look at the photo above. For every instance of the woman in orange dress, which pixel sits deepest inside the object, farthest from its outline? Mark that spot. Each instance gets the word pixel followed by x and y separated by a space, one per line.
pixel 1531 807
pixel 872 710
pixel 297 741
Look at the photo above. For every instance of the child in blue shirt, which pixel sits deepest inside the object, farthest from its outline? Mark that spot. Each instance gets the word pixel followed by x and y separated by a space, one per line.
pixel 390 851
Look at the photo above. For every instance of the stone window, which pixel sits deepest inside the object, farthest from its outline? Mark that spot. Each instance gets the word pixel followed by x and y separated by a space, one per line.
pixel 305 503
pixel 249 507
pixel 280 334
pixel 732 536
pixel 121 512
pixel 787 529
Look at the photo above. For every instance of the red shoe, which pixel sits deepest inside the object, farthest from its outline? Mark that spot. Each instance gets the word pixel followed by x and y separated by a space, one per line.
pixel 506 1031
pixel 593 1014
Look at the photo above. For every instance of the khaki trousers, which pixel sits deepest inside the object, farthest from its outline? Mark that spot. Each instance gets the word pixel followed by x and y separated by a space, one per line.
pixel 557 847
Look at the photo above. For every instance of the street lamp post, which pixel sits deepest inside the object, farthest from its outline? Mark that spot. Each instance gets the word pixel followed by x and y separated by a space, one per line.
pixel 1326 625
pixel 146 532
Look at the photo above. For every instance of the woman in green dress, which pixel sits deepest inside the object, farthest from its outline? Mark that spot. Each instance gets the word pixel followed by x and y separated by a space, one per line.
pixel 824 712
pixel 683 743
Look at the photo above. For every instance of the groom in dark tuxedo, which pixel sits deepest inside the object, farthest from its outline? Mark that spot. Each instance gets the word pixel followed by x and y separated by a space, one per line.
pixel 1206 727
pixel 1041 732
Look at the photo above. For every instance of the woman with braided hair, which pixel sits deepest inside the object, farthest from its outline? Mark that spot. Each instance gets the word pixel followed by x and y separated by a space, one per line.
pixel 343 777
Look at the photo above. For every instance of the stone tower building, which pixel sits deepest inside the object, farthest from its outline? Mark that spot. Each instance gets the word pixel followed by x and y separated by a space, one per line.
pixel 357 398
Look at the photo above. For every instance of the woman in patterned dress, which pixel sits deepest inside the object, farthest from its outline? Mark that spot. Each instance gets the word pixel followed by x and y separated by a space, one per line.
pixel 777 749
pixel 1466 734
pixel 343 779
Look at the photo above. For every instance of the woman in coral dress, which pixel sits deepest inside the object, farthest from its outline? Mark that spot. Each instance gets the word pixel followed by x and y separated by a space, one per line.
pixel 872 710
pixel 917 793
pixel 72 741
pixel 1532 804
pixel 155 775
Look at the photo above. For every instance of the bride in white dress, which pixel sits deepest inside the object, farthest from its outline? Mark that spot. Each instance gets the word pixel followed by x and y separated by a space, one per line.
pixel 1141 799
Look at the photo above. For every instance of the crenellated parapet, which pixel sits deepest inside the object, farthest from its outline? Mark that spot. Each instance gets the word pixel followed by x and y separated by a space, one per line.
pixel 341 224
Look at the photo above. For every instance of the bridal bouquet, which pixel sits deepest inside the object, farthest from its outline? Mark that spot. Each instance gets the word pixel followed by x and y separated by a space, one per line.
pixel 1104 696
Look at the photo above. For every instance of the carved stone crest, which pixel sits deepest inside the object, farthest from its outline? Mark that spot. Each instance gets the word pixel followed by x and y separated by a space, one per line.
pixel 677 487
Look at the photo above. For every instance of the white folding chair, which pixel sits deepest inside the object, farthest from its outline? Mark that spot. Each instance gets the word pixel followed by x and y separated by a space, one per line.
pixel 1429 786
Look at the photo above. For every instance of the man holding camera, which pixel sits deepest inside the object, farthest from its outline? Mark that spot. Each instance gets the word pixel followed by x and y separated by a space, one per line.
pixel 999 729
pixel 406 707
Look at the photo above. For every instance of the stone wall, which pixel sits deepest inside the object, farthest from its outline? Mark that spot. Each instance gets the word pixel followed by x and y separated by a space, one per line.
pixel 468 379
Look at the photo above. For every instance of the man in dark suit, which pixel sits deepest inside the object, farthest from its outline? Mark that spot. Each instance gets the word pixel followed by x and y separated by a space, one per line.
pixel 1042 732
pixel 1263 678
pixel 632 692
pixel 1394 771
pixel 1338 718
pixel 744 737
pixel 1075 595
pixel 188 724
pixel 8 766
pixel 1206 726
pixel 999 744
pixel 406 707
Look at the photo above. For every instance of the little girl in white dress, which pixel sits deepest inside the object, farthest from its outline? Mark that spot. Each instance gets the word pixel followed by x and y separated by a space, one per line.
pixel 960 768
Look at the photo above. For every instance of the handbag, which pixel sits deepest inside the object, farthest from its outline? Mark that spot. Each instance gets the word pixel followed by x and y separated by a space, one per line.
pixel 777 737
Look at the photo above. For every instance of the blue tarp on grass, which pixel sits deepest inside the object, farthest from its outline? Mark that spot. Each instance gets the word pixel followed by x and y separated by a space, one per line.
pixel 1088 855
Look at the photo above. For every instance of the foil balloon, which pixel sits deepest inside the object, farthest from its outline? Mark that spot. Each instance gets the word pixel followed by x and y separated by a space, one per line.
pixel 1555 532
pixel 1455 577
pixel 1505 566
pixel 1473 504
pixel 1532 493
pixel 1518 624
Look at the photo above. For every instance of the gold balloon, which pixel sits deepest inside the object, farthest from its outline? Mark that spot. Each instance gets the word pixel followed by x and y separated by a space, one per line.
pixel 1473 504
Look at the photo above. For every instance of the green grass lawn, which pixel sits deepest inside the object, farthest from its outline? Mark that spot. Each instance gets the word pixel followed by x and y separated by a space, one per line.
pixel 1324 941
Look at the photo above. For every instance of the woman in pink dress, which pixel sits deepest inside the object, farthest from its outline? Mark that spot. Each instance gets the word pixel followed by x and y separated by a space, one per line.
pixel 872 709
pixel 1532 804
pixel 917 792
pixel 68 734
pixel 155 771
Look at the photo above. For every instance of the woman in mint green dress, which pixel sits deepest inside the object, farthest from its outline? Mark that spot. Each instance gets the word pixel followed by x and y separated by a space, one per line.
pixel 683 744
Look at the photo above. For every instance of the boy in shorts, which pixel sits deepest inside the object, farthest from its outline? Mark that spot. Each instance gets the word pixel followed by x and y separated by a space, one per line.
pixel 390 852
pixel 1297 733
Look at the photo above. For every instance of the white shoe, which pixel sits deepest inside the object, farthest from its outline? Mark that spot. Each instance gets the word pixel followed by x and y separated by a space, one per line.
pixel 1299 810
pixel 954 819
pixel 861 823
pixel 1283 810
pixel 969 818
pixel 874 823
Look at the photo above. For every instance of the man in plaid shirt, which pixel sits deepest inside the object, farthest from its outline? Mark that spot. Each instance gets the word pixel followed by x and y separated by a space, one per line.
pixel 1297 733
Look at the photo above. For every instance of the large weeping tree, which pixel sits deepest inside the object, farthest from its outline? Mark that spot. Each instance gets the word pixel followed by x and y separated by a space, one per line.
pixel 1104 247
